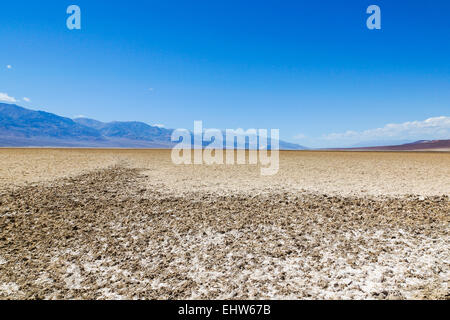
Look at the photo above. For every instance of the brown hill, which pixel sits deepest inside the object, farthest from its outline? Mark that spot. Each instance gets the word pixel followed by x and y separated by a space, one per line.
pixel 422 145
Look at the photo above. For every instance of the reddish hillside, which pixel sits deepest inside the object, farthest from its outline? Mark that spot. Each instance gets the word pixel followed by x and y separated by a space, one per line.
pixel 415 146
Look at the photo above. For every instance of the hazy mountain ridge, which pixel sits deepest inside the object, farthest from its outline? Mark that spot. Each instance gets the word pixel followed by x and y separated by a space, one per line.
pixel 133 130
pixel 16 121
pixel 420 145
pixel 20 127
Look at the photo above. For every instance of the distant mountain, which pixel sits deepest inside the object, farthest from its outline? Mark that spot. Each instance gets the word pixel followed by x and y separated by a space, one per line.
pixel 421 145
pixel 20 127
pixel 19 122
pixel 132 130
pixel 378 143
pixel 91 123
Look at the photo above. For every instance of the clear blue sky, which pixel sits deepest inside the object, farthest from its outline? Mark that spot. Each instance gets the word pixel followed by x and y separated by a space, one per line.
pixel 309 68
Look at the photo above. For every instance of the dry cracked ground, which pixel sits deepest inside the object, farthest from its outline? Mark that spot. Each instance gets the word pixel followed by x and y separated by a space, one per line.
pixel 127 224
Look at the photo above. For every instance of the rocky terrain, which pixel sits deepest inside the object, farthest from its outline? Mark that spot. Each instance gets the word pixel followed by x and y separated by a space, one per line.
pixel 130 225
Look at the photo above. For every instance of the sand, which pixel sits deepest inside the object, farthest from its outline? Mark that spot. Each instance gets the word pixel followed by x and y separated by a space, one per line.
pixel 128 224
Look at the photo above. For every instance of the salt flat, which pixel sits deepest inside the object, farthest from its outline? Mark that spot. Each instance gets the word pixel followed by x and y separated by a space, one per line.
pixel 129 224
pixel 340 173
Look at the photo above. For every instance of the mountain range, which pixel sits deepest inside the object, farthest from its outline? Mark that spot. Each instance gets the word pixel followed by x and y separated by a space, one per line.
pixel 21 127
pixel 421 145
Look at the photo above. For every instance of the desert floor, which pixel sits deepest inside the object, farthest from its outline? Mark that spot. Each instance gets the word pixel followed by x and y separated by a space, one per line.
pixel 99 224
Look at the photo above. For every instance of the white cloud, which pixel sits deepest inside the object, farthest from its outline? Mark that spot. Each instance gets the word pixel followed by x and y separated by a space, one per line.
pixel 151 89
pixel 5 98
pixel 159 125
pixel 9 66
pixel 432 128
pixel 435 128
pixel 26 99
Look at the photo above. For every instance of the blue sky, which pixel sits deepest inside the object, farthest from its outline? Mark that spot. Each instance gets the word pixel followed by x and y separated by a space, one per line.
pixel 310 68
